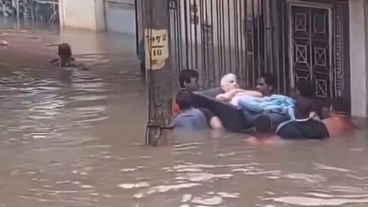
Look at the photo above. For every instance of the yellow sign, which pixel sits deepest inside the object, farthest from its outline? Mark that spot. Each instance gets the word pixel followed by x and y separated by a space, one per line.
pixel 156 48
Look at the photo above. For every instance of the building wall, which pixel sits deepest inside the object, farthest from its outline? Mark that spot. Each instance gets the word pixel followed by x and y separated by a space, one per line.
pixel 358 63
pixel 112 15
pixel 120 16
pixel 79 14
pixel 99 14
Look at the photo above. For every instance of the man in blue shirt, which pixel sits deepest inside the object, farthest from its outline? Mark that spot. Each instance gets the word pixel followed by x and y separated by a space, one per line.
pixel 278 107
pixel 190 118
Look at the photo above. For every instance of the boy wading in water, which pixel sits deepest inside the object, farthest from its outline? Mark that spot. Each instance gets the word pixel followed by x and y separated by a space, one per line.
pixel 65 56
pixel 66 62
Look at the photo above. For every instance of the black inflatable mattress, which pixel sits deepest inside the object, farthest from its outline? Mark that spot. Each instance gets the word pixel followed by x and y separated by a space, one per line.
pixel 233 119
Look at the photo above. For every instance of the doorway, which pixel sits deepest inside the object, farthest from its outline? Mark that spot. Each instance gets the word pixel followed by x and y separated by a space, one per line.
pixel 310 46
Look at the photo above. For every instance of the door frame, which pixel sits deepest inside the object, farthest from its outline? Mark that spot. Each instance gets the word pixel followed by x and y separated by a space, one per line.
pixel 329 7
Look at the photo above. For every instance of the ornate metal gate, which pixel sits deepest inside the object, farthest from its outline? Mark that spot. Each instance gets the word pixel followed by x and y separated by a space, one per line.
pixel 318 42
pixel 311 47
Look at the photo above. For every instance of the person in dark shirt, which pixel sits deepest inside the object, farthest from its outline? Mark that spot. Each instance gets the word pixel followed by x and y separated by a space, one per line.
pixel 304 126
pixel 190 118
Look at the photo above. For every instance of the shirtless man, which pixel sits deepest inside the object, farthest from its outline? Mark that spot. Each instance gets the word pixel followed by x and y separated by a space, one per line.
pixel 306 92
pixel 66 63
pixel 65 58
pixel 263 132
pixel 340 122
pixel 255 103
pixel 303 126
pixel 233 93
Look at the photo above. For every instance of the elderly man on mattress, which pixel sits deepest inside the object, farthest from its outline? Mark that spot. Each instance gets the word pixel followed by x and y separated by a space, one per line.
pixel 254 103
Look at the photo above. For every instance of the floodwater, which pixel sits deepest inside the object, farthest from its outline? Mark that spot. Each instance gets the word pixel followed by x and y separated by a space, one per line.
pixel 81 144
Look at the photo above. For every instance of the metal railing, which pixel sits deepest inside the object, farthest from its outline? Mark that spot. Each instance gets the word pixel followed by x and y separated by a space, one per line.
pixel 43 11
pixel 216 37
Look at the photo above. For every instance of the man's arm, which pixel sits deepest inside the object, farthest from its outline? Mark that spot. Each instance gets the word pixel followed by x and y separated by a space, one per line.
pixel 54 61
pixel 228 95
pixel 250 93
pixel 213 121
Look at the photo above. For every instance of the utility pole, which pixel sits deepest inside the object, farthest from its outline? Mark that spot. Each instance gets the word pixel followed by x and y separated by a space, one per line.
pixel 158 74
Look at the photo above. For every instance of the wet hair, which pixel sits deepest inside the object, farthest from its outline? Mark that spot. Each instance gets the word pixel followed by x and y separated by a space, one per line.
pixel 186 75
pixel 269 79
pixel 341 106
pixel 306 88
pixel 64 50
pixel 303 108
pixel 263 125
pixel 184 98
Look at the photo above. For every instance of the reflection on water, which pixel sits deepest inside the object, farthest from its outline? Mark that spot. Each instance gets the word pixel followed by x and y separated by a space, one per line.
pixel 79 144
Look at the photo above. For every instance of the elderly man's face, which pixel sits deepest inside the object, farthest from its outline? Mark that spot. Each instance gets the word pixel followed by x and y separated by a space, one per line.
pixel 231 85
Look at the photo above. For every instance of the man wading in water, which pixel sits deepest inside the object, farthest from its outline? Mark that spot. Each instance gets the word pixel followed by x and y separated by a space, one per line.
pixel 188 79
pixel 66 62
pixel 65 56
pixel 263 132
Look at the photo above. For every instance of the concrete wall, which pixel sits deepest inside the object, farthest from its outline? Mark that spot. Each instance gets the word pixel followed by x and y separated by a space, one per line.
pixel 358 62
pixel 99 15
pixel 120 16
pixel 112 15
pixel 84 14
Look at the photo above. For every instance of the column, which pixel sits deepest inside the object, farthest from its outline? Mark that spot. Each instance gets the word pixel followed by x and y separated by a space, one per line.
pixel 358 58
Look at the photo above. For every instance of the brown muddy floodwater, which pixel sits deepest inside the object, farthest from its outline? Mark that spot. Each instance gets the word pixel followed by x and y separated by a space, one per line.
pixel 81 144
